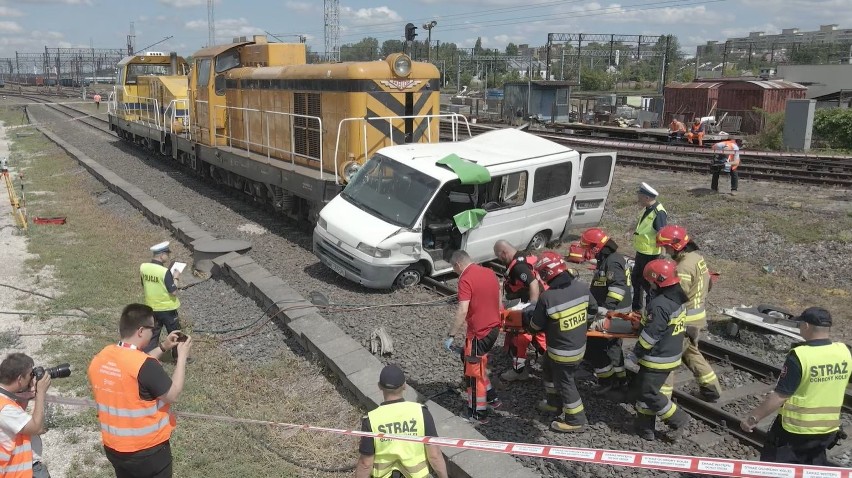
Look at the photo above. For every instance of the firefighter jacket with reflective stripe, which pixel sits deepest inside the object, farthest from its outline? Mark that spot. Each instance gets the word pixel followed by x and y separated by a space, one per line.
pixel 645 236
pixel 157 296
pixel 815 406
pixel 660 343
pixel 16 461
pixel 515 289
pixel 401 418
pixel 611 285
pixel 562 313
pixel 695 282
pixel 128 423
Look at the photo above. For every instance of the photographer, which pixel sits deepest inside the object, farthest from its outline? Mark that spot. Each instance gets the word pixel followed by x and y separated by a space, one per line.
pixel 17 427
pixel 134 393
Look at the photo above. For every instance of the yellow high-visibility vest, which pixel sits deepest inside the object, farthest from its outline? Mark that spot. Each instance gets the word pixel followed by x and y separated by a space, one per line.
pixel 815 406
pixel 645 236
pixel 157 296
pixel 401 418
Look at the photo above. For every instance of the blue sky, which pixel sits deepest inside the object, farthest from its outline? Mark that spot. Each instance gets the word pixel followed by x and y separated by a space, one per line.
pixel 29 25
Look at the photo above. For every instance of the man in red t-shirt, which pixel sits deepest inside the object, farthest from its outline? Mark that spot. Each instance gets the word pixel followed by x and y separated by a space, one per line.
pixel 479 307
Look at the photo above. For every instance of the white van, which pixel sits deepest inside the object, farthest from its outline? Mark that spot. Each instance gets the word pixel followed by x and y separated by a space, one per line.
pixel 410 206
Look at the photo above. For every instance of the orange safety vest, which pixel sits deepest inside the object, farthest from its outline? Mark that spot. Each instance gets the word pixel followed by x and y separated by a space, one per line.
pixel 16 461
pixel 128 423
pixel 516 285
pixel 696 128
pixel 730 143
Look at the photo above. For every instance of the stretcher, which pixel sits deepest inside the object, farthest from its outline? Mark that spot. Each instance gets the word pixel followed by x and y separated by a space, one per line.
pixel 615 325
pixel 766 317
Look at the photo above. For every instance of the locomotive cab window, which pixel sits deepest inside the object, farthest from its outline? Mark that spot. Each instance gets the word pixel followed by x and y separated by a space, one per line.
pixel 219 84
pixel 226 61
pixel 203 72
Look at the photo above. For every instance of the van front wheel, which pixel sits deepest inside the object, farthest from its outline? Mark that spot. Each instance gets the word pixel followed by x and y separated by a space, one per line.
pixel 539 241
pixel 410 277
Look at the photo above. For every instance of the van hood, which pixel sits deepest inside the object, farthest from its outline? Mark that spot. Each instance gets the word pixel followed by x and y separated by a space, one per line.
pixel 360 226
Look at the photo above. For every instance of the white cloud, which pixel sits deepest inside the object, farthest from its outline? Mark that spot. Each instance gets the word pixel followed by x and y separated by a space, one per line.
pixel 55 2
pixel 10 27
pixel 10 12
pixel 301 7
pixel 370 16
pixel 184 3
pixel 226 28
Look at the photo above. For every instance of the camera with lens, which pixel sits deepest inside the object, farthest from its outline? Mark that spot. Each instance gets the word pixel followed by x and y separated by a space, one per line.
pixel 60 371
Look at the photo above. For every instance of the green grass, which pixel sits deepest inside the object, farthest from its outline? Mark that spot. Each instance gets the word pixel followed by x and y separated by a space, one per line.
pixel 95 259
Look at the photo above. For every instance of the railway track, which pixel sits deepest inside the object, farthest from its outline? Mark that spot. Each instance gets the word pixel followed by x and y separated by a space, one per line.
pixel 762 165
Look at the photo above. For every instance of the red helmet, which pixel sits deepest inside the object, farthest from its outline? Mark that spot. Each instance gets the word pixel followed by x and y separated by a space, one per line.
pixel 594 239
pixel 662 272
pixel 550 264
pixel 673 236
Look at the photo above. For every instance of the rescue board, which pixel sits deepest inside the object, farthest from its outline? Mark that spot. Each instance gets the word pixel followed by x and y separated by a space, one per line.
pixel 767 318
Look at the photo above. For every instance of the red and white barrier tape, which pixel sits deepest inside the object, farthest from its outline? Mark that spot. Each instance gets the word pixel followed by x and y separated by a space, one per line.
pixel 632 459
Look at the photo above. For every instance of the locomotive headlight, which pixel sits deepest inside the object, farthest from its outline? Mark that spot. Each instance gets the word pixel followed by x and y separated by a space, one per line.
pixel 402 66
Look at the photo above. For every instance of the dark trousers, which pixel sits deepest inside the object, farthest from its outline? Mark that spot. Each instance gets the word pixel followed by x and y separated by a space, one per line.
pixel 645 390
pixel 561 390
pixel 640 285
pixel 606 356
pixel 714 181
pixel 154 462
pixel 40 470
pixel 168 319
pixel 675 136
pixel 784 447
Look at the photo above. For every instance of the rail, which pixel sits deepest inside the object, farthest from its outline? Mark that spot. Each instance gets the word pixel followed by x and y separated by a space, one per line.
pixel 266 118
pixel 453 125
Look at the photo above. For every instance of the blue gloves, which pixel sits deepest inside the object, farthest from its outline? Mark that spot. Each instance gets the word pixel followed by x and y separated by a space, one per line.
pixel 448 344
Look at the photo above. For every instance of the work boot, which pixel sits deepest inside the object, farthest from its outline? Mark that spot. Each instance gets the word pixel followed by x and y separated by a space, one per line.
pixel 559 425
pixel 513 375
pixel 548 405
pixel 643 425
pixel 709 394
pixel 678 424
pixel 734 192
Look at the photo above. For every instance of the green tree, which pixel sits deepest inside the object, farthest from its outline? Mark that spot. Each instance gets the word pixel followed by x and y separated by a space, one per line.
pixel 833 128
pixel 364 50
pixel 477 47
pixel 596 80
pixel 391 46
pixel 512 49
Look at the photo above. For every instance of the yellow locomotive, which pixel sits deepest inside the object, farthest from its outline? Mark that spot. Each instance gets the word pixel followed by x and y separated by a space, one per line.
pixel 150 97
pixel 288 133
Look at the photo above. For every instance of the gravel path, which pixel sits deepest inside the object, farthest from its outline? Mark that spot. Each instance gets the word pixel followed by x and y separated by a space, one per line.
pixel 285 250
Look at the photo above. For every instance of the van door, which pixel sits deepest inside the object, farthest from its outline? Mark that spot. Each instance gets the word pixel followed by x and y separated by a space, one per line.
pixel 595 181
pixel 503 198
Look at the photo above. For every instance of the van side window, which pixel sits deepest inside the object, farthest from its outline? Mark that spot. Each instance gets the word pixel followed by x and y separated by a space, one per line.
pixel 508 190
pixel 596 171
pixel 552 181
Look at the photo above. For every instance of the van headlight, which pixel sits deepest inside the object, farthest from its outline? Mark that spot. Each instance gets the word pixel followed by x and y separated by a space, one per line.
pixel 411 249
pixel 322 223
pixel 402 65
pixel 373 251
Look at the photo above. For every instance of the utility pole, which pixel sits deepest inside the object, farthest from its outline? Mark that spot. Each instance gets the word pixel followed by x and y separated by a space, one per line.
pixel 131 39
pixel 428 26
pixel 211 24
pixel 332 29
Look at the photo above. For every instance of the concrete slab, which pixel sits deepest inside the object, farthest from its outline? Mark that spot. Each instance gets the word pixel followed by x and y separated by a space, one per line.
pixel 298 310
pixel 474 463
pixel 220 261
pixel 320 333
pixel 338 347
pixel 363 384
pixel 346 364
pixel 240 273
pixel 238 261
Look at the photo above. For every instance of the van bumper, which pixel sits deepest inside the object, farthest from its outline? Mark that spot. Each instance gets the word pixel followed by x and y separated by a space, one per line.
pixel 348 265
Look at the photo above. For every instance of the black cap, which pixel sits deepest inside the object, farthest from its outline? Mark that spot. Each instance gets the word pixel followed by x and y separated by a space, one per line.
pixel 815 316
pixel 391 377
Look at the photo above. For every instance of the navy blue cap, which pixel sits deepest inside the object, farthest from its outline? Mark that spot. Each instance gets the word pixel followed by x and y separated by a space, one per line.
pixel 815 316
pixel 391 377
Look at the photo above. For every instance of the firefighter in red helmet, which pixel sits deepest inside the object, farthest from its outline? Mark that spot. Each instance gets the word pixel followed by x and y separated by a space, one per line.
pixel 612 291
pixel 562 313
pixel 659 350
pixel 695 282
pixel 522 283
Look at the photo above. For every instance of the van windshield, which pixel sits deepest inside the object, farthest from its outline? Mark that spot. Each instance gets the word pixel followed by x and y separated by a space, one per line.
pixel 391 190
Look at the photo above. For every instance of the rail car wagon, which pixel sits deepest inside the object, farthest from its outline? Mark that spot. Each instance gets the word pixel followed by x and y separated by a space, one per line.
pixel 287 133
